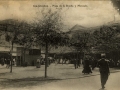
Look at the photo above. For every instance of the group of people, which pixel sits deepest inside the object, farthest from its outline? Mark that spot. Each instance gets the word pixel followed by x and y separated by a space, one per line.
pixel 89 65
pixel 7 62
pixel 102 64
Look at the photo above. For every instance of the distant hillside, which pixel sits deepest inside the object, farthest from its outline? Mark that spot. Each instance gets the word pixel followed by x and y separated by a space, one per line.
pixel 113 23
pixel 80 29
pixel 8 21
pixel 77 28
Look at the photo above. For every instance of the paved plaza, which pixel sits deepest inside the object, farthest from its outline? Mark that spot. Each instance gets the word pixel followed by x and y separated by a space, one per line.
pixel 60 77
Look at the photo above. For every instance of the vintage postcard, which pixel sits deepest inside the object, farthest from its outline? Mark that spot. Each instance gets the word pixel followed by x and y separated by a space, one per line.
pixel 59 44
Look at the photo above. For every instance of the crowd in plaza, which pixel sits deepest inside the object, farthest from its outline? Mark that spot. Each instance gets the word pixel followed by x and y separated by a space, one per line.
pixel 7 62
pixel 87 61
pixel 88 64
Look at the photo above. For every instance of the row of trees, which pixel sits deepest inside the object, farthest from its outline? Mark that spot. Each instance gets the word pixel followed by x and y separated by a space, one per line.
pixel 107 38
pixel 44 31
pixel 47 31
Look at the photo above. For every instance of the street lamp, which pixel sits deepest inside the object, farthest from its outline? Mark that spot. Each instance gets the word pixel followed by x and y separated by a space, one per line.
pixel 118 10
pixel 114 13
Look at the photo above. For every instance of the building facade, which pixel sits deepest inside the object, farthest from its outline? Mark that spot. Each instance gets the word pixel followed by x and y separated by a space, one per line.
pixel 19 57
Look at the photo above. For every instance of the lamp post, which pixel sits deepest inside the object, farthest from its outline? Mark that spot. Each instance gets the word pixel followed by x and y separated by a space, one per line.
pixel 114 14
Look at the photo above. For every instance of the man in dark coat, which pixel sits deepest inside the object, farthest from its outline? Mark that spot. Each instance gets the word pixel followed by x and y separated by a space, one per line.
pixel 8 63
pixel 104 70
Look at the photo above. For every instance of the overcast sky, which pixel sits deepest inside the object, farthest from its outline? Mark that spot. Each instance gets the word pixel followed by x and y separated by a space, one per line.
pixel 89 14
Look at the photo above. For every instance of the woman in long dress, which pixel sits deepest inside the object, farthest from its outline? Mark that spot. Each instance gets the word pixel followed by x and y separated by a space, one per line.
pixel 86 66
pixel 38 63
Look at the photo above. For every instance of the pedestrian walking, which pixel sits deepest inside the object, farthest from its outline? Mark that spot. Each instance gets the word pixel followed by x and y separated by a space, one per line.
pixel 56 61
pixel 75 63
pixel 93 63
pixel 104 70
pixel 8 63
pixel 14 61
pixel 38 63
pixel 86 66
pixel 2 61
pixel 78 63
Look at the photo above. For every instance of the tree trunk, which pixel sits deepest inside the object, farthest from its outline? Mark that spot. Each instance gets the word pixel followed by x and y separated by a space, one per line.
pixel 46 58
pixel 24 51
pixel 11 57
pixel 40 58
pixel 24 56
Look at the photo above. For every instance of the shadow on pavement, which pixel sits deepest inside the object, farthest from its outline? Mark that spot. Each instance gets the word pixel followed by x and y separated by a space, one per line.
pixel 24 82
pixel 87 75
pixel 1 74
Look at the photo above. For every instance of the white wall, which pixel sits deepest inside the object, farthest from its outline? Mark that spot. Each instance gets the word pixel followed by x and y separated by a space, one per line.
pixel 7 48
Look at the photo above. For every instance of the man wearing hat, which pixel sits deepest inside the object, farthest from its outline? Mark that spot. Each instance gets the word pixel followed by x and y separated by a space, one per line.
pixel 104 70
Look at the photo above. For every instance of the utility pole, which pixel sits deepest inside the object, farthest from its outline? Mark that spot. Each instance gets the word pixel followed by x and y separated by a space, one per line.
pixel 114 17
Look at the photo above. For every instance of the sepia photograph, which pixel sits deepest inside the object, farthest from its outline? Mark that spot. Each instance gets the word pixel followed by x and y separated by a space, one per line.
pixel 60 45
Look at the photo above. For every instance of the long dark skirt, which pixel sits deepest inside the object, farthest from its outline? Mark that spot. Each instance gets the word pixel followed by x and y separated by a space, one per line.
pixel 87 70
